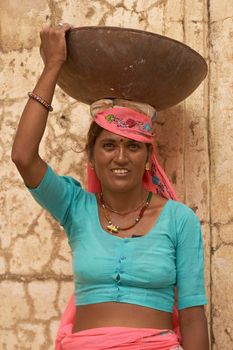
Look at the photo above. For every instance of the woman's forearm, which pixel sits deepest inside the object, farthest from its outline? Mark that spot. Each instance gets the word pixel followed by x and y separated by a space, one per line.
pixel 195 334
pixel 33 121
pixel 34 118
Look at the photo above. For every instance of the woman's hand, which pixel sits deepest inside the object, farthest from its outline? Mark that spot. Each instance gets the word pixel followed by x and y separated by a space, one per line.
pixel 53 45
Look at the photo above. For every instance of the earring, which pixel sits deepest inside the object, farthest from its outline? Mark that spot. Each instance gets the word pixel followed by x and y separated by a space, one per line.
pixel 147 166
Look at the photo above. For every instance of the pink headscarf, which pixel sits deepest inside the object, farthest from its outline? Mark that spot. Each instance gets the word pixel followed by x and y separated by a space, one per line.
pixel 134 125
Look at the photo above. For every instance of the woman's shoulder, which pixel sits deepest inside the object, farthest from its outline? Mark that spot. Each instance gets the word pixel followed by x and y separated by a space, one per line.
pixel 53 184
pixel 174 205
pixel 177 210
pixel 186 220
pixel 181 207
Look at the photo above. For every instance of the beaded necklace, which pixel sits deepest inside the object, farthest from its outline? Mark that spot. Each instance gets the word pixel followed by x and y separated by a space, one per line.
pixel 116 228
pixel 124 212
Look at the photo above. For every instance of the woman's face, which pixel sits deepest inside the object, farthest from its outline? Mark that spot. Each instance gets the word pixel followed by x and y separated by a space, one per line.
pixel 119 162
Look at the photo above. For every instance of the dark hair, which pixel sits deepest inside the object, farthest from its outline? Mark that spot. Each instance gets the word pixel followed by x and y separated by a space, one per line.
pixel 93 132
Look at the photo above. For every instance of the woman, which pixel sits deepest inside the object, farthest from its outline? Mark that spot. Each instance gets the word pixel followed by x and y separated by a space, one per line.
pixel 124 283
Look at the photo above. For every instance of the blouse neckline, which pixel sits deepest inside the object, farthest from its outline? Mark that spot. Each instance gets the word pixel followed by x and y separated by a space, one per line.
pixel 105 233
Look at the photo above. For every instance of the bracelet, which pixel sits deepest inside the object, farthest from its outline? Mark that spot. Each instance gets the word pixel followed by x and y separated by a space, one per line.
pixel 40 100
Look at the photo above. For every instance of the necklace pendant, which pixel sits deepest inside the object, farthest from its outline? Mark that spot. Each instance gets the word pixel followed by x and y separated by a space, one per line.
pixel 112 228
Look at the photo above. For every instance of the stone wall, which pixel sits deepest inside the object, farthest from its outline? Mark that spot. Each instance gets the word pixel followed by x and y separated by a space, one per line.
pixel 194 141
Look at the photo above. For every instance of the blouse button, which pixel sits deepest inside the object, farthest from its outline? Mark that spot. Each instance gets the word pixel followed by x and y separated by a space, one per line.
pixel 121 258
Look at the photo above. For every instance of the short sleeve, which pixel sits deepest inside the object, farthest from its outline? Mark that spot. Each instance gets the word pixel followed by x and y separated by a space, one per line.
pixel 190 261
pixel 56 194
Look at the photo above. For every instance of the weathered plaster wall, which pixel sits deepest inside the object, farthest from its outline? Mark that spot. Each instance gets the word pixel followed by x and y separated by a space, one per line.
pixel 194 141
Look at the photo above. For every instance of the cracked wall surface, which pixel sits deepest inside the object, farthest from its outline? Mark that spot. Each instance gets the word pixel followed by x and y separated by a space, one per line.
pixel 194 145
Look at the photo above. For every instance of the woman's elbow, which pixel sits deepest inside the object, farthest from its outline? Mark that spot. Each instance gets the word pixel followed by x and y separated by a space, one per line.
pixel 22 159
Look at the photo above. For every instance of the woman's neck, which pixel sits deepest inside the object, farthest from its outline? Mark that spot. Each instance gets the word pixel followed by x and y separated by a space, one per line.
pixel 124 201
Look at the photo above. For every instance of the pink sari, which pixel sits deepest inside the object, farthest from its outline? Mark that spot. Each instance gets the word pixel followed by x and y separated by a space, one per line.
pixel 137 126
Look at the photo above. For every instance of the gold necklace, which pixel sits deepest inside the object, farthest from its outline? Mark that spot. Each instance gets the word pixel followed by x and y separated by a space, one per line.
pixel 116 228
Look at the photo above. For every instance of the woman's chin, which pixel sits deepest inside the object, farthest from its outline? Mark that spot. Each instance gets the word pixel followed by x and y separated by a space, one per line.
pixel 119 186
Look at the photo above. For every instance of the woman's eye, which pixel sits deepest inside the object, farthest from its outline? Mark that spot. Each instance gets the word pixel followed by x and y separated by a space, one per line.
pixel 108 146
pixel 134 146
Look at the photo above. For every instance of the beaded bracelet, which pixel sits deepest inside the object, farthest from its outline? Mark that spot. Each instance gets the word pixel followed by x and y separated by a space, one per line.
pixel 40 100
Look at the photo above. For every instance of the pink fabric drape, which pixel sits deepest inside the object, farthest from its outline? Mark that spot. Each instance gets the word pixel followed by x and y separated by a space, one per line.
pixel 106 338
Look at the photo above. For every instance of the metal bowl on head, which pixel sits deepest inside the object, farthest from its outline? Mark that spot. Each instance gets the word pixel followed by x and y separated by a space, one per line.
pixel 112 62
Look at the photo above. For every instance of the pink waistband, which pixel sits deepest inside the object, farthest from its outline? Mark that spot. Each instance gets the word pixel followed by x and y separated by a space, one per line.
pixel 118 338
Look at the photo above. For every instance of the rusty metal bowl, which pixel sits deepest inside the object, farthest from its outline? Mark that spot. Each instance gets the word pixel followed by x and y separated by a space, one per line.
pixel 112 62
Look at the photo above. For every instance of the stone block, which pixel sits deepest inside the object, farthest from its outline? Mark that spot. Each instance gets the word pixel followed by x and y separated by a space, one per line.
pixel 20 70
pixel 8 340
pixel 65 291
pixel 2 265
pixel 220 10
pixel 79 114
pixel 169 149
pixel 15 216
pixel 222 266
pixel 174 12
pixel 30 255
pixel 15 305
pixel 174 30
pixel 207 247
pixel 195 13
pixel 61 263
pixel 156 26
pixel 32 336
pixel 22 17
pixel 140 5
pixel 87 13
pixel 222 235
pixel 225 233
pixel 43 298
pixel 53 328
pixel 221 125
pixel 121 17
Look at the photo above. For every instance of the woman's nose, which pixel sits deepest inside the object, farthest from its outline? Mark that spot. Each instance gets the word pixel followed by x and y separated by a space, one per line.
pixel 121 154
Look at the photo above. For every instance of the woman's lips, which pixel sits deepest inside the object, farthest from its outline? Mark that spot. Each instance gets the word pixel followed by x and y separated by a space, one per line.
pixel 120 171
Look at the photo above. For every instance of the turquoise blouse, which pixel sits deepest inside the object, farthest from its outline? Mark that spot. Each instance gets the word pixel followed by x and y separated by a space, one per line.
pixel 142 270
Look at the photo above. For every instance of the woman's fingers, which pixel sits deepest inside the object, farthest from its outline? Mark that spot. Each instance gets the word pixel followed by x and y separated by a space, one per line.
pixel 64 26
pixel 59 28
pixel 53 43
pixel 56 28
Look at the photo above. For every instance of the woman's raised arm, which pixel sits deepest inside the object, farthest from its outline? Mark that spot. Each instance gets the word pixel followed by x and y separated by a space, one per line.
pixel 25 150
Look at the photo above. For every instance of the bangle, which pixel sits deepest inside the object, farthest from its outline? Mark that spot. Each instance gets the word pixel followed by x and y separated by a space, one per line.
pixel 40 100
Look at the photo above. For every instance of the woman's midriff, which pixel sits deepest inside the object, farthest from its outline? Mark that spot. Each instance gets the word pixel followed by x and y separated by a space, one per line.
pixel 112 314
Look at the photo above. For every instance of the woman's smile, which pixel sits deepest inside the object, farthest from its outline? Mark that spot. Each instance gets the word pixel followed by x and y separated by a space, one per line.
pixel 120 171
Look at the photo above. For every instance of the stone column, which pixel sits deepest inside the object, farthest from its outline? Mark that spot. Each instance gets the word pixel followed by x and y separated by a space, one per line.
pixel 221 165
